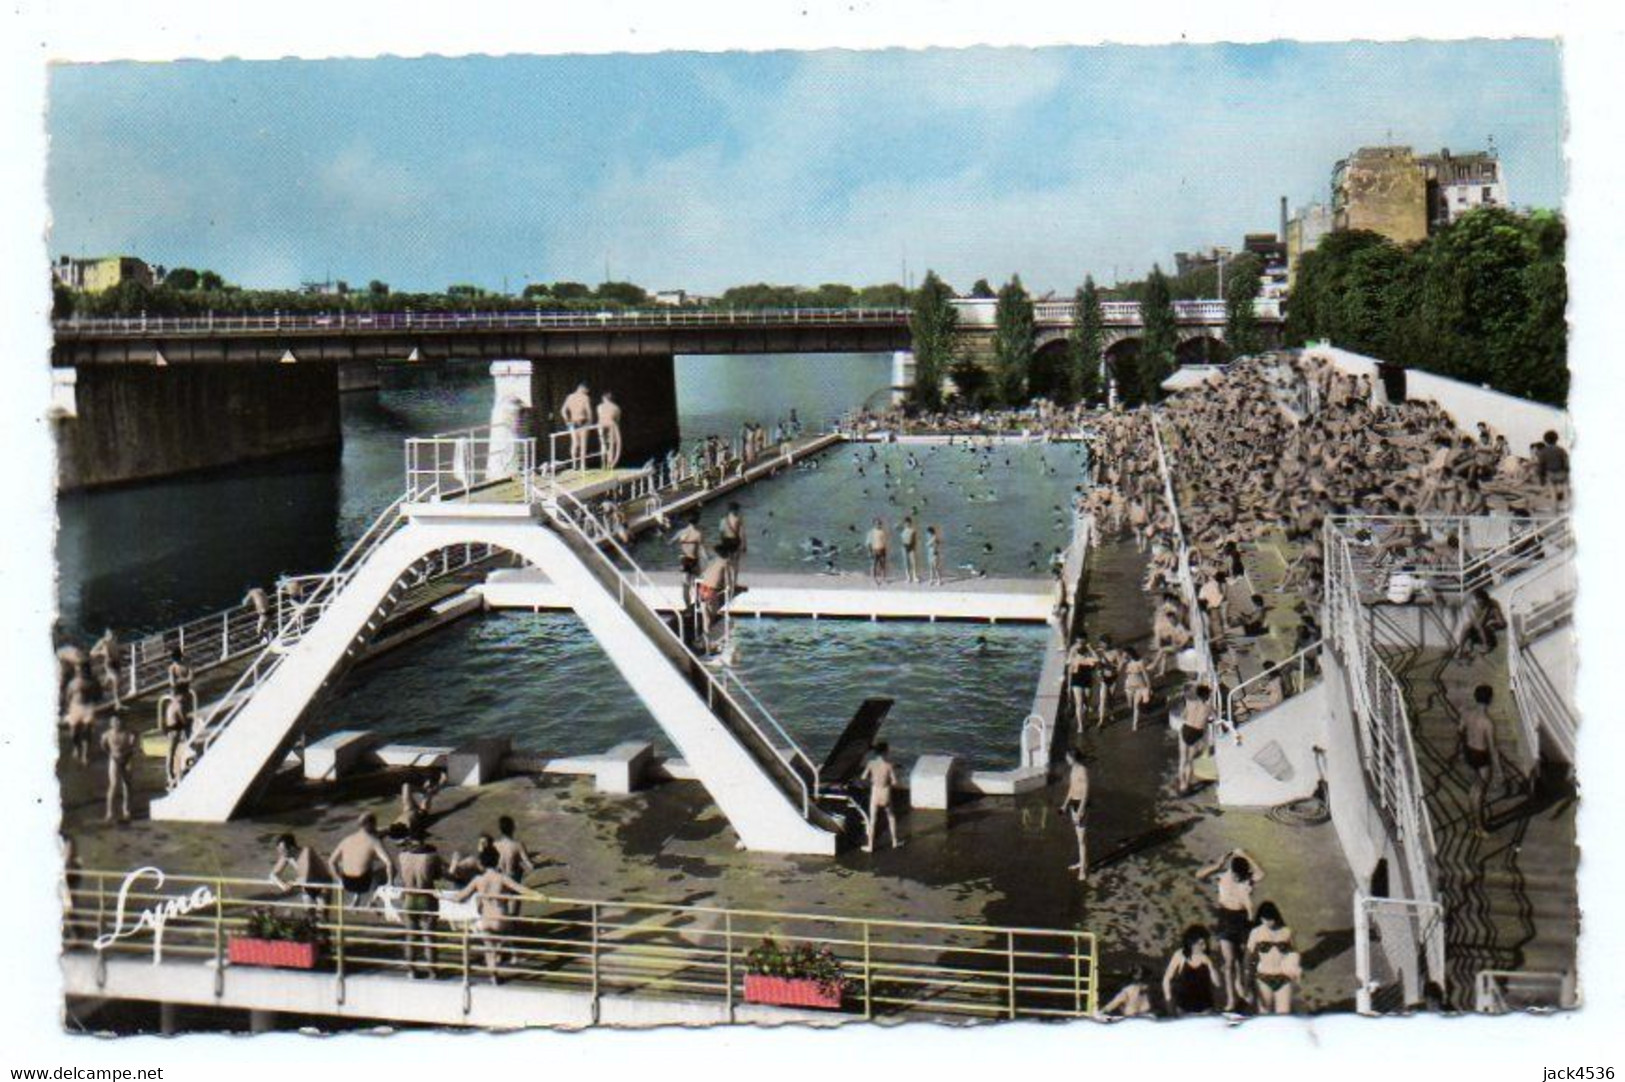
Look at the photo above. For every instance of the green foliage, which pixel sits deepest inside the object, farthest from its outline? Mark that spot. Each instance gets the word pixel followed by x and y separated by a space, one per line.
pixel 463 289
pixel 622 293
pixel 803 962
pixel 1086 341
pixel 266 923
pixel 209 280
pixel 181 278
pixel 1243 281
pixel 1482 300
pixel 1161 336
pixel 931 326
pixel 972 384
pixel 378 289
pixel 981 290
pixel 1013 340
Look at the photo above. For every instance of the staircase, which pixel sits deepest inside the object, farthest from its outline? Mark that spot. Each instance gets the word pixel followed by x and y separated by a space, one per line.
pixel 1510 897
pixel 763 782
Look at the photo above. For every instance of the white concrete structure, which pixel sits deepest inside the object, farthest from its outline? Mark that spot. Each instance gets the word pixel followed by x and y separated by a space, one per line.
pixel 832 596
pixel 754 797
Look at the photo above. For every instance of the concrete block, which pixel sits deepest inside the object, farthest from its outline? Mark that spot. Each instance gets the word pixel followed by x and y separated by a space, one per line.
pixel 623 767
pixel 477 762
pixel 338 754
pixel 418 755
pixel 930 783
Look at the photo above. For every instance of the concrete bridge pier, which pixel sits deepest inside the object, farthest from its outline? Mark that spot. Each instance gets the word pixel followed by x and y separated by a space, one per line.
pixel 358 376
pixel 117 423
pixel 528 394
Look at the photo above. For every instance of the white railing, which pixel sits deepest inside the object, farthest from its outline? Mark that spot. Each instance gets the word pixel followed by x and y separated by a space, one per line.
pixel 1489 549
pixel 582 448
pixel 204 643
pixel 632 586
pixel 297 617
pixel 1207 669
pixel 454 466
pixel 1412 936
pixel 973 313
pixel 1304 664
pixel 1541 706
pixel 1497 991
pixel 1387 751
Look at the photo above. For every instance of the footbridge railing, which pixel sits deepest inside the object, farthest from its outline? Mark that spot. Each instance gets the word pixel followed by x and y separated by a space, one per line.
pixel 725 694
pixel 595 948
pixel 1207 668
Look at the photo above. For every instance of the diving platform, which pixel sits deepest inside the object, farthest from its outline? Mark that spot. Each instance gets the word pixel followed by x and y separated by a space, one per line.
pixel 813 596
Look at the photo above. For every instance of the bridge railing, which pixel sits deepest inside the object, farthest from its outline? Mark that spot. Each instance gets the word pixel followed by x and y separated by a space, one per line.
pixel 622 949
pixel 456 467
pixel 973 313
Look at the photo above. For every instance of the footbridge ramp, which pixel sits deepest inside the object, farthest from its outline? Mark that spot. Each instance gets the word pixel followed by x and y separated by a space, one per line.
pixel 760 779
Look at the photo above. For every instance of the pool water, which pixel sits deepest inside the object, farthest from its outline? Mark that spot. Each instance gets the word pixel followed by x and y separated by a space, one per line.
pixel 543 680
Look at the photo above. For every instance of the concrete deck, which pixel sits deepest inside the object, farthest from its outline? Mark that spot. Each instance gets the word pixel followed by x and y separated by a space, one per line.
pixel 999 860
pixel 772 593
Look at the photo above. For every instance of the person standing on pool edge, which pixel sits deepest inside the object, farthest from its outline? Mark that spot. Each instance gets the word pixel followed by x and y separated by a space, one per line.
pixel 577 415
pixel 609 431
pixel 882 778
pixel 878 543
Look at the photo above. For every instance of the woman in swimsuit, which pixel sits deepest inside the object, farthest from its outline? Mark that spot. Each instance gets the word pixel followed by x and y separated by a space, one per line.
pixel 180 678
pixel 1080 669
pixel 1136 684
pixel 1276 967
pixel 1106 679
pixel 1235 874
pixel 1133 1000
pixel 1189 981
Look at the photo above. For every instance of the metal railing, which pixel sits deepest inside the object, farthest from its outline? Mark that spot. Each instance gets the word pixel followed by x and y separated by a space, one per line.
pixel 204 643
pixel 971 315
pixel 1387 751
pixel 454 466
pixel 296 620
pixel 1488 549
pixel 1411 934
pixel 1498 991
pixel 1207 668
pixel 562 453
pixel 632 585
pixel 1305 665
pixel 600 948
pixel 1542 708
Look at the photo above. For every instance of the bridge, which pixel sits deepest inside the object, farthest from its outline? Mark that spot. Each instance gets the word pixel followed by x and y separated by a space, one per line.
pixel 212 390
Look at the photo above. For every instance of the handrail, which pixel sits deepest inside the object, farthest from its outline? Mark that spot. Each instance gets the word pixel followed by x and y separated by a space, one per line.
pixel 1231 725
pixel 564 509
pixel 1187 581
pixel 603 946
pixel 1490 987
pixel 228 706
pixel 282 323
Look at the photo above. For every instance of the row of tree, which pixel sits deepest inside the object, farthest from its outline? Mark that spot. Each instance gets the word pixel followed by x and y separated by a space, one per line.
pixel 1481 300
pixel 1019 371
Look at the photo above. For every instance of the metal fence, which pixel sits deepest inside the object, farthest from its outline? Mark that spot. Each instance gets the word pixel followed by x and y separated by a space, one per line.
pixel 1207 668
pixel 600 948
pixel 1446 556
pixel 1410 934
pixel 453 466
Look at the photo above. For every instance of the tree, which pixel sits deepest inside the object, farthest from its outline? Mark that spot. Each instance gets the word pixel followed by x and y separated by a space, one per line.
pixel 569 291
pixel 932 327
pixel 1244 280
pixel 981 290
pixel 183 278
pixel 209 280
pixel 1087 340
pixel 971 383
pixel 1013 339
pixel 375 288
pixel 622 293
pixel 463 289
pixel 885 295
pixel 1161 338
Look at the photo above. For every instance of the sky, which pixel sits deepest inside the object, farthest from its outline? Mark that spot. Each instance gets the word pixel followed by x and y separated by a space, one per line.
pixel 700 171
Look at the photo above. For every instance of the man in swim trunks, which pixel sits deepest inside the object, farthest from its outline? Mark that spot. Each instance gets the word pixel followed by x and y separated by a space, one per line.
pixel 577 415
pixel 711 591
pixel 121 746
pixel 358 858
pixel 421 870
pixel 1478 751
pixel 311 876
pixel 108 653
pixel 882 778
pixel 1193 727
pixel 609 430
pixel 1235 874
pixel 690 542
pixel 733 536
pixel 1076 808
pixel 878 542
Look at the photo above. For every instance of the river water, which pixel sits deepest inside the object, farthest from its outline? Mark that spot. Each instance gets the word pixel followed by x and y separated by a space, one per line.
pixel 150 556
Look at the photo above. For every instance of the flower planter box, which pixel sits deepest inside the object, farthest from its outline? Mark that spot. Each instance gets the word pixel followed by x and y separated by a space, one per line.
pixel 277 953
pixel 790 992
